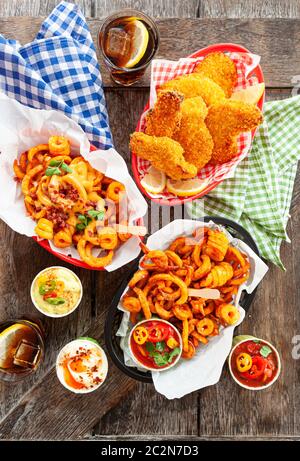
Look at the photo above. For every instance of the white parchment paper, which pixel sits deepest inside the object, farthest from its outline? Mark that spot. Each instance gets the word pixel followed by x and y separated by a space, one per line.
pixel 205 368
pixel 21 128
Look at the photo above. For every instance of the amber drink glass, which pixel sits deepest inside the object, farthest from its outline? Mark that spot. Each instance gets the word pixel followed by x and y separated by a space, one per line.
pixel 128 41
pixel 21 349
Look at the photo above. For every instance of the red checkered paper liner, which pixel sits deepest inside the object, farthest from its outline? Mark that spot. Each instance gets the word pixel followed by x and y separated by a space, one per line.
pixel 162 71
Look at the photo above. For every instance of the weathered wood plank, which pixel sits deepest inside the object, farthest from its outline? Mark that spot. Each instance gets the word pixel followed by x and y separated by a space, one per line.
pixel 157 8
pixel 22 259
pixel 39 8
pixel 124 108
pixel 99 288
pixel 151 414
pixel 190 438
pixel 229 411
pixel 276 40
pixel 143 403
pixel 250 9
pixel 101 8
pixel 162 8
pixel 118 104
pixel 48 411
pixel 42 400
pixel 224 414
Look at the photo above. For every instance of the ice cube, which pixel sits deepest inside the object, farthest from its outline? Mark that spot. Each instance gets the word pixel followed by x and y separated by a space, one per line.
pixel 26 354
pixel 117 43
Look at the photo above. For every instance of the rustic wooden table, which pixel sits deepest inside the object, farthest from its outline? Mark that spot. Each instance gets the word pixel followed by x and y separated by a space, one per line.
pixel 39 407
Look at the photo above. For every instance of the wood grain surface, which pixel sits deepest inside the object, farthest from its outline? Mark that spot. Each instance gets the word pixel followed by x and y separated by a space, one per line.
pixel 280 58
pixel 39 408
pixel 162 8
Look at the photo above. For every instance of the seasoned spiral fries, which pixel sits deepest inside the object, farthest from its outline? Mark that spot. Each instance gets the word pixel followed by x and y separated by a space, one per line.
pixel 72 203
pixel 161 286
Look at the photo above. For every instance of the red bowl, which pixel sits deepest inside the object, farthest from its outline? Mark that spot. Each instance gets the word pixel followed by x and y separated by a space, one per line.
pixel 68 259
pixel 231 47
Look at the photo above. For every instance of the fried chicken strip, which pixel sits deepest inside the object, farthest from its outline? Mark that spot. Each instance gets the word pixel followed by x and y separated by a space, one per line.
pixel 221 69
pixel 164 153
pixel 165 117
pixel 225 121
pixel 196 84
pixel 193 134
pixel 196 103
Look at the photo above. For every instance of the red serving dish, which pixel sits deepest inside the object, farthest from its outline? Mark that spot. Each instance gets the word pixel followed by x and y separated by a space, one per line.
pixel 224 47
pixel 68 259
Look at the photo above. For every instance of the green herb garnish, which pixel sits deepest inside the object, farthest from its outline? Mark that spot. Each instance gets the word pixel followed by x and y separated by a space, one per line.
pixel 66 168
pixel 173 354
pixel 52 171
pixel 87 338
pixel 160 346
pixel 80 226
pixel 150 348
pixel 55 167
pixel 161 359
pixel 47 287
pixel 99 215
pixel 55 301
pixel 85 220
pixel 265 351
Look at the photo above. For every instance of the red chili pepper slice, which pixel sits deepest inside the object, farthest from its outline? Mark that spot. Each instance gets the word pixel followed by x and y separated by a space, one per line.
pixel 50 295
pixel 257 369
pixel 253 348
pixel 269 370
pixel 158 333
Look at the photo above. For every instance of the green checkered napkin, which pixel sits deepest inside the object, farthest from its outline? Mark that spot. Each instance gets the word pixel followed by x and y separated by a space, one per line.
pixel 259 195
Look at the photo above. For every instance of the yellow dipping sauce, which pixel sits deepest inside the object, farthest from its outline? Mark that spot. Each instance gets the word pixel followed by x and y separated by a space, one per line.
pixel 56 291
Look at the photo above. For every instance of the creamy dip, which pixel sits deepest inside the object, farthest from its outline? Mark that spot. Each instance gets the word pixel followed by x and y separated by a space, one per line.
pixel 56 291
pixel 82 366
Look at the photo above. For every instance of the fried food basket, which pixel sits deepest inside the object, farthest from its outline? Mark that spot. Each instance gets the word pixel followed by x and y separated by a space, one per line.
pixel 114 315
pixel 164 198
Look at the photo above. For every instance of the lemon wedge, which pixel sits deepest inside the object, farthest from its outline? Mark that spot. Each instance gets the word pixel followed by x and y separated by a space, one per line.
pixel 9 341
pixel 154 181
pixel 251 95
pixel 139 40
pixel 187 187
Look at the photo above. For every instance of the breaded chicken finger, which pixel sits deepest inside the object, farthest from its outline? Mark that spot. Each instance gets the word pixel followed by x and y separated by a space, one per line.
pixel 165 117
pixel 164 153
pixel 225 121
pixel 192 85
pixel 219 68
pixel 193 134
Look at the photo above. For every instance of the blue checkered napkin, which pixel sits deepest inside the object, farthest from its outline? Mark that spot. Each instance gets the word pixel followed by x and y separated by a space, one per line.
pixel 59 70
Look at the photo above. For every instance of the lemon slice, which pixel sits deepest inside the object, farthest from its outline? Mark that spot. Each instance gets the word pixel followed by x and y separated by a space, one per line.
pixel 154 181
pixel 187 187
pixel 139 41
pixel 251 95
pixel 9 341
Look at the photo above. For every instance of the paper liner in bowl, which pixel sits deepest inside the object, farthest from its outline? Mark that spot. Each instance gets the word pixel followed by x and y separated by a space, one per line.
pixel 248 74
pixel 21 128
pixel 205 368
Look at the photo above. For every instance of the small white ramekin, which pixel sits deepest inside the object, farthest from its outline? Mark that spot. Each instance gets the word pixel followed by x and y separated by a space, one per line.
pixel 260 388
pixel 55 315
pixel 60 374
pixel 140 363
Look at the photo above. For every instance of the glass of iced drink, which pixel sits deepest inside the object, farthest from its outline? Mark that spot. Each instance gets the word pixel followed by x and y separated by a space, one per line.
pixel 128 41
pixel 21 349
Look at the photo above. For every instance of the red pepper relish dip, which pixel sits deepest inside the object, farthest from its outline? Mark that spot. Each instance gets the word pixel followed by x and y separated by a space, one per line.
pixel 155 344
pixel 81 365
pixel 254 363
